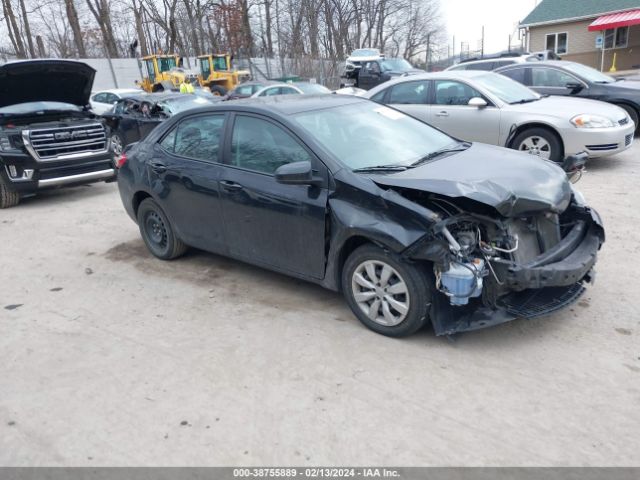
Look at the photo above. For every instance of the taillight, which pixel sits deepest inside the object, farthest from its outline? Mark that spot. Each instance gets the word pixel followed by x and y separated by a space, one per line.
pixel 122 159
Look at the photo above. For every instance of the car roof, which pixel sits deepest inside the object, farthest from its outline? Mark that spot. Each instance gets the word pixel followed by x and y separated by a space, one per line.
pixel 120 91
pixel 292 104
pixel 152 97
pixel 543 63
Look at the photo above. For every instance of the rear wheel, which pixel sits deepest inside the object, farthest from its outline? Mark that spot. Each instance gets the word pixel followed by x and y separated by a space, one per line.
pixel 217 90
pixel 157 232
pixel 541 142
pixel 387 294
pixel 8 198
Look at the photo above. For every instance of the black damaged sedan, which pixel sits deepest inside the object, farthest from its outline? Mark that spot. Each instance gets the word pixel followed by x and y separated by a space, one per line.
pixel 413 226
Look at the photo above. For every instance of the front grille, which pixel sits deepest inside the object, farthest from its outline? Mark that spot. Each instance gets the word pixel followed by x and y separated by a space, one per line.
pixel 603 147
pixel 624 121
pixel 52 143
pixel 628 139
pixel 74 169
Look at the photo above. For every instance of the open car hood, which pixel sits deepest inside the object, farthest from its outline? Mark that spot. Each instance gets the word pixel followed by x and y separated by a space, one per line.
pixel 64 81
pixel 513 183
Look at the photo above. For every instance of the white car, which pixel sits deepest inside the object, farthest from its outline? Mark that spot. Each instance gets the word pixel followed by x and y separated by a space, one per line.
pixel 104 100
pixel 487 107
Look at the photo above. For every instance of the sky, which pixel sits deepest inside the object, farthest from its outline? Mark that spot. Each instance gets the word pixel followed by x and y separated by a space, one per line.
pixel 464 19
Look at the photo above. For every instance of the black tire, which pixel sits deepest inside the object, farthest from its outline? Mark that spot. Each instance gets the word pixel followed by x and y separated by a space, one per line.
pixel 554 143
pixel 8 198
pixel 415 278
pixel 218 90
pixel 633 113
pixel 157 232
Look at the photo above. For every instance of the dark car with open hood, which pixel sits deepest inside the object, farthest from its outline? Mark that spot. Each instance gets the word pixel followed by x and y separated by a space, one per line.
pixel 48 136
pixel 412 225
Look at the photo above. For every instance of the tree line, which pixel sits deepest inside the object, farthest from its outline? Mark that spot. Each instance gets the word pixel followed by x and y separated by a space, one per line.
pixel 328 29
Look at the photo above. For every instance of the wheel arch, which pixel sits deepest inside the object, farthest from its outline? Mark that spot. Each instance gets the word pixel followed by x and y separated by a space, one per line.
pixel 526 126
pixel 137 199
pixel 347 248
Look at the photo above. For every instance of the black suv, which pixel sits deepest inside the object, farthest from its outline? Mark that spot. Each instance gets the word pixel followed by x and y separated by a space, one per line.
pixel 48 136
pixel 371 73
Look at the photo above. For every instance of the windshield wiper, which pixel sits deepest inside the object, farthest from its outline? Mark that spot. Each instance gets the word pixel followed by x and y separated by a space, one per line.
pixel 524 100
pixel 460 148
pixel 381 168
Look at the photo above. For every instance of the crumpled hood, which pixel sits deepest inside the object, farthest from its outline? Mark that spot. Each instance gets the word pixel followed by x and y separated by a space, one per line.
pixel 513 183
pixel 569 107
pixel 64 81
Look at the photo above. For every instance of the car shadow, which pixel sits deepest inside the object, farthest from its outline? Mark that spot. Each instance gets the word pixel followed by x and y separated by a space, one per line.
pixel 233 279
pixel 59 196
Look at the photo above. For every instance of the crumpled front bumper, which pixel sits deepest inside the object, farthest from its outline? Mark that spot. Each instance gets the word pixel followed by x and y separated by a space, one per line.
pixel 549 283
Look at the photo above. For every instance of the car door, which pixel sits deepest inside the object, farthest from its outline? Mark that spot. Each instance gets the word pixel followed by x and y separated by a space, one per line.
pixel 184 172
pixel 552 81
pixel 369 75
pixel 147 121
pixel 451 112
pixel 268 223
pixel 412 98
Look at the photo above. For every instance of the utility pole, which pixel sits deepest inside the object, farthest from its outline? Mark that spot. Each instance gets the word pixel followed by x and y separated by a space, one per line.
pixel 428 53
pixel 482 44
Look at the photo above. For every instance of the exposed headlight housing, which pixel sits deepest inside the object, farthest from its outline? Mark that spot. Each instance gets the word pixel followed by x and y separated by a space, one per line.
pixel 592 121
pixel 5 143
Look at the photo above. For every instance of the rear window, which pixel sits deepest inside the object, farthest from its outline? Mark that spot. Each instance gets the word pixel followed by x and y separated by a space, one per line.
pixel 485 66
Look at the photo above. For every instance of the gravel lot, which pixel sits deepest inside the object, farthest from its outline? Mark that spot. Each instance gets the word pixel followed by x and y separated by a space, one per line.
pixel 111 357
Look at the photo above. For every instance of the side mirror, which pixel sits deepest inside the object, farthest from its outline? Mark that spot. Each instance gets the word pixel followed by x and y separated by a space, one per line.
pixel 296 173
pixel 575 87
pixel 477 102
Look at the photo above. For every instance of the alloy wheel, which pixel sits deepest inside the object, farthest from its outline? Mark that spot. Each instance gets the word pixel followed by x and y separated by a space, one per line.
pixel 116 144
pixel 536 145
pixel 380 292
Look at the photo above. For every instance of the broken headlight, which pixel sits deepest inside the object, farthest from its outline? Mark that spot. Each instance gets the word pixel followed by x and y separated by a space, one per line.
pixel 592 121
pixel 5 143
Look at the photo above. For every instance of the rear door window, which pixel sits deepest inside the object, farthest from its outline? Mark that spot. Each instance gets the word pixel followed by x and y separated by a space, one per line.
pixel 517 74
pixel 550 77
pixel 196 137
pixel 409 93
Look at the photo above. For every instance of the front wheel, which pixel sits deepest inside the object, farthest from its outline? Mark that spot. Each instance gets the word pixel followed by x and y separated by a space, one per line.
pixel 386 293
pixel 157 232
pixel 541 142
pixel 8 198
pixel 116 144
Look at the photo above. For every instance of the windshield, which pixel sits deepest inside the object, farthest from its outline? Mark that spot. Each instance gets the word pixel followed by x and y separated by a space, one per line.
pixel 365 134
pixel 312 88
pixel 219 63
pixel 397 64
pixel 38 108
pixel 507 90
pixel 588 73
pixel 181 104
pixel 166 63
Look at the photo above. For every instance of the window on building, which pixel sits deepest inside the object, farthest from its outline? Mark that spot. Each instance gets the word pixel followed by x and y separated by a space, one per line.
pixel 557 43
pixel 616 37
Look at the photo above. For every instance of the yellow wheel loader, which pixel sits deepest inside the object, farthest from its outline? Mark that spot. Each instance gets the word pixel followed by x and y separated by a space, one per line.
pixel 162 73
pixel 217 74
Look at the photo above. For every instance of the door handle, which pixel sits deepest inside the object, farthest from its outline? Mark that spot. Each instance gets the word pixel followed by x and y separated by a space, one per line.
pixel 158 167
pixel 231 186
pixel 442 114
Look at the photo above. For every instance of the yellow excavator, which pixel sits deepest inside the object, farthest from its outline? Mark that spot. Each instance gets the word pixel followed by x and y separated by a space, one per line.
pixel 162 73
pixel 217 74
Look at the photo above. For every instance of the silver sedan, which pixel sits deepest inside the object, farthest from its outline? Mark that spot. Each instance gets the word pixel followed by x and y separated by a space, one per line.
pixel 486 107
